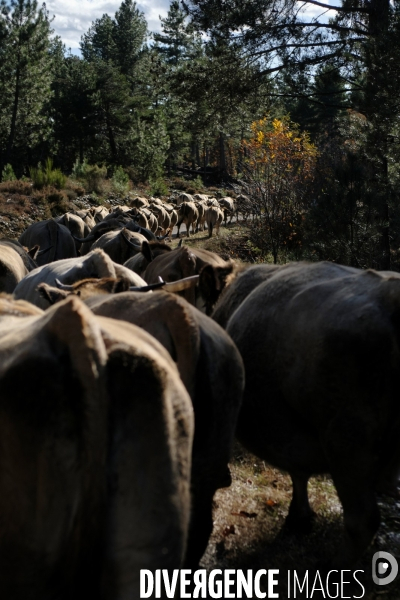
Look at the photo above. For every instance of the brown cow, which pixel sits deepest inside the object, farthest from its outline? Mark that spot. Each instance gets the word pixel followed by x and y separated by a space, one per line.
pixel 188 214
pixel 201 220
pixel 138 202
pixel 15 263
pixel 183 197
pixel 163 218
pixel 76 226
pixel 228 206
pixel 184 262
pixel 214 218
pixel 212 371
pixel 96 429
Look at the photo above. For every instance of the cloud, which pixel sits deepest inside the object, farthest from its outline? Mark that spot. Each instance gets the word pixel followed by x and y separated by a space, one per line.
pixel 309 11
pixel 73 18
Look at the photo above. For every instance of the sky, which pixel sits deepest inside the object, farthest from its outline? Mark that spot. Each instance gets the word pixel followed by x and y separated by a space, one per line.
pixel 74 17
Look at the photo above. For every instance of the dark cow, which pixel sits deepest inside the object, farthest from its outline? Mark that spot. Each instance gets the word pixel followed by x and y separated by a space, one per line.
pixel 320 345
pixel 113 224
pixel 148 252
pixel 49 234
pixel 120 245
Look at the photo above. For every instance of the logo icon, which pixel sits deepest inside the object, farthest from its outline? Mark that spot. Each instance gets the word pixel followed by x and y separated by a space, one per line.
pixel 384 568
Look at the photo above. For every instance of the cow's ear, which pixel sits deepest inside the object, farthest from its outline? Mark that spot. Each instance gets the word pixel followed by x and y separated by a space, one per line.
pixel 212 281
pixel 33 252
pixel 208 287
pixel 120 285
pixel 146 251
pixel 51 294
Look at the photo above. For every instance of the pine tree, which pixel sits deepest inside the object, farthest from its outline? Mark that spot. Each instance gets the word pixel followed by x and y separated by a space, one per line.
pixel 73 110
pixel 99 42
pixel 177 40
pixel 130 33
pixel 25 74
pixel 115 49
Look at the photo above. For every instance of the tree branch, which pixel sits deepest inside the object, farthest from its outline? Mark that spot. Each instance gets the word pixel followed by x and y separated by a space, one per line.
pixel 337 8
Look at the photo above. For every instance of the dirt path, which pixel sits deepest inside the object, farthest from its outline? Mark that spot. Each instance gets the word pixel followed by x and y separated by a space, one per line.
pixel 249 534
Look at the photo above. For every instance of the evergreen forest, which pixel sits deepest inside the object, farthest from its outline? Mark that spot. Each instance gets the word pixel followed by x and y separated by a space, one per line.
pixel 297 113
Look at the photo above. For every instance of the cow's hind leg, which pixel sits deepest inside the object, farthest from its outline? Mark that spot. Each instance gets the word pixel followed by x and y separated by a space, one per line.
pixel 352 459
pixel 301 516
pixel 361 517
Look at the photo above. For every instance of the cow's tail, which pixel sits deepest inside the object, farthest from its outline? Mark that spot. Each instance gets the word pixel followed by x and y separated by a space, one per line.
pixel 53 229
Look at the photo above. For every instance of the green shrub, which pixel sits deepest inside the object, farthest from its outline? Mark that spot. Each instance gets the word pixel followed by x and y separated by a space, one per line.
pixel 79 169
pixel 198 184
pixel 120 181
pixel 8 173
pixel 92 176
pixel 42 177
pixel 158 187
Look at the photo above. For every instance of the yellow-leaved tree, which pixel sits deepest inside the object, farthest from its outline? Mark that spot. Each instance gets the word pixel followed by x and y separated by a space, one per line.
pixel 278 167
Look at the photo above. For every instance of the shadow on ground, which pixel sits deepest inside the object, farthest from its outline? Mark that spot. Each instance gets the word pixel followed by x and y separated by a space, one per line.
pixel 249 534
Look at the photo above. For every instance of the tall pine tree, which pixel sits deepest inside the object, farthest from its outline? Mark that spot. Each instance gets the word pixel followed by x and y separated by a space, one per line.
pixel 25 74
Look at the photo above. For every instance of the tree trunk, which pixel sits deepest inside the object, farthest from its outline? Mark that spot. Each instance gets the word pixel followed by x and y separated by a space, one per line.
pixel 11 137
pixel 111 139
pixel 222 156
pixel 377 52
pixel 80 150
pixel 193 153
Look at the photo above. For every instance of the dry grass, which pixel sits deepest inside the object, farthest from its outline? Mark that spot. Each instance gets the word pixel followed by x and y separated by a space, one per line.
pixel 232 242
pixel 20 206
pixel 249 529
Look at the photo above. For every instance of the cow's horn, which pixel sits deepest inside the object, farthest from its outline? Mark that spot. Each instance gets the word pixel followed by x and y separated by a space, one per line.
pixel 160 238
pixel 181 284
pixel 41 252
pixel 63 286
pixel 90 238
pixel 137 247
pixel 148 288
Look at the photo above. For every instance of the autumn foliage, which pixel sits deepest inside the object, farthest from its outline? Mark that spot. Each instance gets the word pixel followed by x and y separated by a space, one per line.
pixel 278 167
